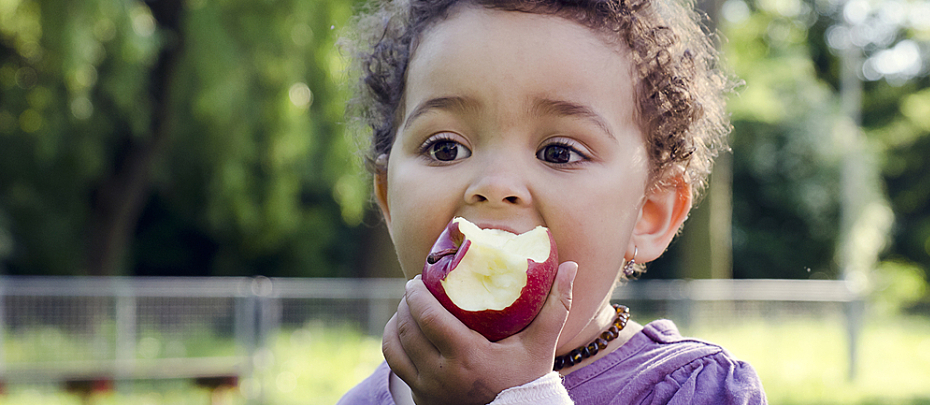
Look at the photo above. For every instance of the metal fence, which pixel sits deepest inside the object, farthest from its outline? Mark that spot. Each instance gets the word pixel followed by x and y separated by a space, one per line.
pixel 63 330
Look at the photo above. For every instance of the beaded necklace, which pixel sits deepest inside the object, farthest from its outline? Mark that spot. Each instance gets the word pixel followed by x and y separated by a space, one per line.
pixel 583 352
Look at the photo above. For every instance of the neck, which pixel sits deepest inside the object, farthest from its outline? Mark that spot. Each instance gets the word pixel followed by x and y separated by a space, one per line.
pixel 604 319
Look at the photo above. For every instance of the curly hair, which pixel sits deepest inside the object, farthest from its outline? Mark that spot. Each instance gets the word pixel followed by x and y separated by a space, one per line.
pixel 680 88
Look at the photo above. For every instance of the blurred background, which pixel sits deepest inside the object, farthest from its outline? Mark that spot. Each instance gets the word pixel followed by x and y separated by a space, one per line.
pixel 184 217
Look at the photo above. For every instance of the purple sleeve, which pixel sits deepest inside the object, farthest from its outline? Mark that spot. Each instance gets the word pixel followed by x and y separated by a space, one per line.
pixel 373 391
pixel 714 379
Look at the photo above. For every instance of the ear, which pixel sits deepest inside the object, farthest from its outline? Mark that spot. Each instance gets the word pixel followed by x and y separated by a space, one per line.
pixel 381 189
pixel 664 211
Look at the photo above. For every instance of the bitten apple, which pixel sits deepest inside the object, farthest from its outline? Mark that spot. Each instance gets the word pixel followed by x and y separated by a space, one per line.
pixel 494 281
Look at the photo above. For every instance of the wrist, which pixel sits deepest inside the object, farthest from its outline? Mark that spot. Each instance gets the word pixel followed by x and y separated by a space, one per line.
pixel 545 390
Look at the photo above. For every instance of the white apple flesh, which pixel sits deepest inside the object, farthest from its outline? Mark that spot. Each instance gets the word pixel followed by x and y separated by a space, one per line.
pixel 494 281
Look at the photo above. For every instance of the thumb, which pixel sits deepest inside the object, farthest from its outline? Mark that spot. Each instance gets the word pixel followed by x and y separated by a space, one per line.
pixel 547 326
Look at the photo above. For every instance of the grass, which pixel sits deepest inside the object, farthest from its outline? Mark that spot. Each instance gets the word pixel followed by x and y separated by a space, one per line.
pixel 320 363
pixel 315 364
pixel 49 344
pixel 800 362
pixel 174 393
pixel 807 362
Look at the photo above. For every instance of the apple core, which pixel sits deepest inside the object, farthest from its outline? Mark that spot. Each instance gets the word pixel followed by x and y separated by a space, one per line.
pixel 494 281
pixel 492 272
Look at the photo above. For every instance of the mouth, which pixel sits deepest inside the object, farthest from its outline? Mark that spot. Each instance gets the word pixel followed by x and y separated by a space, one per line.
pixel 498 227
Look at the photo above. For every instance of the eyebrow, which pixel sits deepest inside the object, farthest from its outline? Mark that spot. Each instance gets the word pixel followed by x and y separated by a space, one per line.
pixel 453 103
pixel 562 108
pixel 541 107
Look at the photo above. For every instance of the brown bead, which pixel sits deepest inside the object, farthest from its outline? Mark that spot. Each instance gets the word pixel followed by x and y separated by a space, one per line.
pixel 601 343
pixel 610 334
pixel 575 355
pixel 592 348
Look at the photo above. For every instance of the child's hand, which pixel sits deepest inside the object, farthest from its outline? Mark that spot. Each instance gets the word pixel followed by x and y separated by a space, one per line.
pixel 444 362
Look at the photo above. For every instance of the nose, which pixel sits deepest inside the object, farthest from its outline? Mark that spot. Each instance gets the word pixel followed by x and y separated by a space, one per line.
pixel 499 185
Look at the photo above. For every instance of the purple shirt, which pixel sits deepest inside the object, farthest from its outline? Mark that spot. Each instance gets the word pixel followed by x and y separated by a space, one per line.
pixel 656 366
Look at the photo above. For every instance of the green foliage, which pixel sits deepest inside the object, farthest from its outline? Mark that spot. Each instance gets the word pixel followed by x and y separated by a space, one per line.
pixel 261 163
pixel 792 213
pixel 899 285
pixel 906 169
pixel 59 61
pixel 235 107
pixel 785 163
pixel 207 138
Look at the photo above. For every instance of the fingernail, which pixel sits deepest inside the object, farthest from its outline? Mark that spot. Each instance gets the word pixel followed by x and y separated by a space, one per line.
pixel 410 282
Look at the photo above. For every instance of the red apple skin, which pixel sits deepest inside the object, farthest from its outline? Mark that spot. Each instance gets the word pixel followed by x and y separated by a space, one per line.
pixel 493 324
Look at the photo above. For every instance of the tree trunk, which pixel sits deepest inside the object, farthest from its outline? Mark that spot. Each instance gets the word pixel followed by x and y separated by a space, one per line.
pixel 120 199
pixel 707 238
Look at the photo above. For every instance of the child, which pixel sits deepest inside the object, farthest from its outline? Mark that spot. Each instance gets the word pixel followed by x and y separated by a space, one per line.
pixel 596 118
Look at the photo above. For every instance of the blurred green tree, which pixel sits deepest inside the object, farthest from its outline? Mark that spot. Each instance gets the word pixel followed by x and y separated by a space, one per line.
pixel 199 137
pixel 818 159
pixel 786 166
pixel 784 169
pixel 796 158
pixel 176 137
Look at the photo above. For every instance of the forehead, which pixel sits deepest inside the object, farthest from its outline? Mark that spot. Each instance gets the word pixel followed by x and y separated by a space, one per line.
pixel 535 55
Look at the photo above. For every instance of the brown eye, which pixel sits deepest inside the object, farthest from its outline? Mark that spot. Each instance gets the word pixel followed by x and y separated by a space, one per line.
pixel 555 154
pixel 447 151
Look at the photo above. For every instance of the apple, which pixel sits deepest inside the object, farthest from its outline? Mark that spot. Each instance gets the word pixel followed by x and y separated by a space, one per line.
pixel 494 281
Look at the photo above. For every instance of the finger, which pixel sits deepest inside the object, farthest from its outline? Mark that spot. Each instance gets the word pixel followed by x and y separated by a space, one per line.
pixel 438 325
pixel 545 329
pixel 394 353
pixel 415 343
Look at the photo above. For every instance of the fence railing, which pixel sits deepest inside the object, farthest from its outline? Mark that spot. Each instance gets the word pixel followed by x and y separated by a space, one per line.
pixel 87 330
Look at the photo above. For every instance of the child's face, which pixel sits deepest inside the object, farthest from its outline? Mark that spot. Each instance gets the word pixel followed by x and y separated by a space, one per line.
pixel 513 120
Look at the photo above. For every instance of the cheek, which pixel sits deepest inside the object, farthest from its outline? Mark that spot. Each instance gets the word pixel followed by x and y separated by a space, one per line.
pixel 597 243
pixel 418 216
pixel 595 225
pixel 595 232
pixel 598 247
